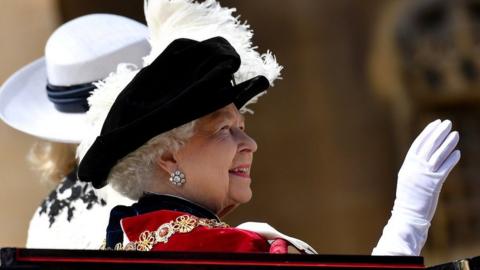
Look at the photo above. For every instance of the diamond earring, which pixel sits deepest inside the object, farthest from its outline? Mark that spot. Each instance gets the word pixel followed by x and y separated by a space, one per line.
pixel 177 178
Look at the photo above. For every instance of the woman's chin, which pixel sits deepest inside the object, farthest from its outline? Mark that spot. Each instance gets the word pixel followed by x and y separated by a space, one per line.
pixel 241 196
pixel 240 191
pixel 247 197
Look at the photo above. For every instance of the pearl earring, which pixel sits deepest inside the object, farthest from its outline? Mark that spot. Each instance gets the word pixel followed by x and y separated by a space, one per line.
pixel 177 178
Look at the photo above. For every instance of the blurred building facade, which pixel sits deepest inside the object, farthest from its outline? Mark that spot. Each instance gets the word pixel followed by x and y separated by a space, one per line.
pixel 425 63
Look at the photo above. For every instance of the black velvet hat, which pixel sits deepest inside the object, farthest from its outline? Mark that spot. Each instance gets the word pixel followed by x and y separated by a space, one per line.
pixel 188 80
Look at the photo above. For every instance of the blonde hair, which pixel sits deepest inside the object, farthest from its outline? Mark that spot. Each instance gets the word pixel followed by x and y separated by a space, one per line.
pixel 134 173
pixel 52 160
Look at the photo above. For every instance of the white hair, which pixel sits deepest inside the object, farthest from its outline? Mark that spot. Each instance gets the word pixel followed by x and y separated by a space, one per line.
pixel 135 173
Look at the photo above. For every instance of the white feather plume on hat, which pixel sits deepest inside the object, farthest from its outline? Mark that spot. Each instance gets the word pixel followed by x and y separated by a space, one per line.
pixel 172 19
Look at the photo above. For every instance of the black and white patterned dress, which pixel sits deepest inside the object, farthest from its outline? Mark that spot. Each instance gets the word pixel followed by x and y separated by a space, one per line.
pixel 73 216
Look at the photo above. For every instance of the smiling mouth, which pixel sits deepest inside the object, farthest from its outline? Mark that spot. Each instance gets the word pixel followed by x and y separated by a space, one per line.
pixel 240 171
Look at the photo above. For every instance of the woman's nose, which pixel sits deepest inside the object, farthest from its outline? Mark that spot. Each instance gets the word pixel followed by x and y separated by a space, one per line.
pixel 246 143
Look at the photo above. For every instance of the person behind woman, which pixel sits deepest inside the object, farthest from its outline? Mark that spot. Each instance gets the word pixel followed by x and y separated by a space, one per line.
pixel 174 139
pixel 47 99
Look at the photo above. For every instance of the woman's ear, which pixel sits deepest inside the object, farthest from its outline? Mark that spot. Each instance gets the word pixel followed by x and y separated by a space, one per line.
pixel 167 162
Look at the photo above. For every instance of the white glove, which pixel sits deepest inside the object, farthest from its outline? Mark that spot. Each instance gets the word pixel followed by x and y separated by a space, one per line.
pixel 427 164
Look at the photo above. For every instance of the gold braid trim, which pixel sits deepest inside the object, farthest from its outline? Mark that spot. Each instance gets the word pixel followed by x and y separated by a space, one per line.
pixel 182 224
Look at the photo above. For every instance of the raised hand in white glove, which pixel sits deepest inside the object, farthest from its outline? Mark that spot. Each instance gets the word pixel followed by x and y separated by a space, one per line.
pixel 428 162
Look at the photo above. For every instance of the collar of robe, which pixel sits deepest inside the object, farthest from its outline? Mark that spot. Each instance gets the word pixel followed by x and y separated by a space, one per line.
pixel 150 202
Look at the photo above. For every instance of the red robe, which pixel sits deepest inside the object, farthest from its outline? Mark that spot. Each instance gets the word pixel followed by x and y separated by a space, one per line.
pixel 200 239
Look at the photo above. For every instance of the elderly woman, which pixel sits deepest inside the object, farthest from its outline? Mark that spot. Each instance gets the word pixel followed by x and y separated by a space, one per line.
pixel 172 137
pixel 184 154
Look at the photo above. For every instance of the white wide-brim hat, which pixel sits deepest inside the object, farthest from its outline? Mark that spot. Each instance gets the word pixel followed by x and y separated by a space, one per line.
pixel 81 51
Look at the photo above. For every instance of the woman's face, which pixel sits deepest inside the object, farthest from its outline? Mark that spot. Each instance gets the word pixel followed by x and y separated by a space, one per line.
pixel 216 161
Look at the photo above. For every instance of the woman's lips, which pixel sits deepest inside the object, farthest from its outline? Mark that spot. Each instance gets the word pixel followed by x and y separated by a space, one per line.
pixel 245 175
pixel 241 171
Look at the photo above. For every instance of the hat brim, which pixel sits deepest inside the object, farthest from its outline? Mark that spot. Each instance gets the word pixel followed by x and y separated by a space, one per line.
pixel 24 105
pixel 109 148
